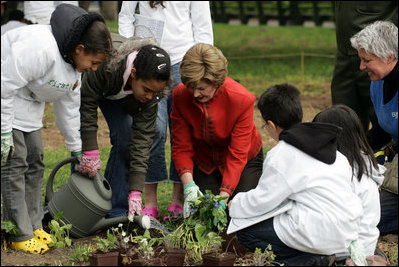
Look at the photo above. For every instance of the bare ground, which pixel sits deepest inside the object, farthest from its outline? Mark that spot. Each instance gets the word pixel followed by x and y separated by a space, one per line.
pixel 53 139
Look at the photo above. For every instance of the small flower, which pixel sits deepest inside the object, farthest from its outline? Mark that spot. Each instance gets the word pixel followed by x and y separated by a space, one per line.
pixel 123 233
pixel 120 225
pixel 207 196
pixel 216 204
pixel 191 209
pixel 126 239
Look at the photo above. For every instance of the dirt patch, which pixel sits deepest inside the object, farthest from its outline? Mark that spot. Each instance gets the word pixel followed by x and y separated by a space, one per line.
pixel 52 137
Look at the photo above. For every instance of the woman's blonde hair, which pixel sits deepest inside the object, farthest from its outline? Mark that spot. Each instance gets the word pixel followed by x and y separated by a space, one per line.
pixel 203 61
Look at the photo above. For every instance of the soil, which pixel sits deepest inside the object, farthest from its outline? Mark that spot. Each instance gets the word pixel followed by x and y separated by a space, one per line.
pixel 53 139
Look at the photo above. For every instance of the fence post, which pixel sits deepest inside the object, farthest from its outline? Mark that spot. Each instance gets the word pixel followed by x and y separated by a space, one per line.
pixel 241 13
pixel 214 11
pixel 281 19
pixel 295 15
pixel 223 15
pixel 261 16
pixel 316 16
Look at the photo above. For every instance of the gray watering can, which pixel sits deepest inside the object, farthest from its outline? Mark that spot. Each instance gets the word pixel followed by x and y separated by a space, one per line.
pixel 84 202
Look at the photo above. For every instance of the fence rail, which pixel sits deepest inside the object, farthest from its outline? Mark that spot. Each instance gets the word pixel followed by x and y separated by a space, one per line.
pixel 286 12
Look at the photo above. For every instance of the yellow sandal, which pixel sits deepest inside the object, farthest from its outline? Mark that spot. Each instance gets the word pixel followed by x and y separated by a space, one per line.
pixel 31 245
pixel 42 236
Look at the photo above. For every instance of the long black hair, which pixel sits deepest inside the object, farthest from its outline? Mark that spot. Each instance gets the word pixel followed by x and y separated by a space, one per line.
pixel 352 141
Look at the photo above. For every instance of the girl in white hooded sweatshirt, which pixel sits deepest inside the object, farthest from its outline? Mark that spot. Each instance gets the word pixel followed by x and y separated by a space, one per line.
pixel 42 63
pixel 367 174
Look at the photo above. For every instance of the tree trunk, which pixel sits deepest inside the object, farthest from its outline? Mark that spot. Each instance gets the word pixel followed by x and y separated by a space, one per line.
pixel 109 10
pixel 84 4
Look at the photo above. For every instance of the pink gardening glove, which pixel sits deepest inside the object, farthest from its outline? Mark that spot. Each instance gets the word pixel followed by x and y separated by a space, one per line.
pixel 134 200
pixel 90 163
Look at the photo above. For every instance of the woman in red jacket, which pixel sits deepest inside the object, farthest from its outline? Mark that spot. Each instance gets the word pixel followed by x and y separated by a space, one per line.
pixel 216 145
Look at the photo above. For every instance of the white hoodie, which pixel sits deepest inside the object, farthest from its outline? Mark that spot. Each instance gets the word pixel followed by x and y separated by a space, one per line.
pixel 33 72
pixel 325 213
pixel 367 191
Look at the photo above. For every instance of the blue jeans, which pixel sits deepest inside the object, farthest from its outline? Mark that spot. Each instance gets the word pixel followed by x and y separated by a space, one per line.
pixel 117 169
pixel 262 234
pixel 389 213
pixel 157 171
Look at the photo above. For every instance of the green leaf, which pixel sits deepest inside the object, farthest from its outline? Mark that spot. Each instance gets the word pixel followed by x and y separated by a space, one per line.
pixel 199 231
pixel 58 215
pixel 60 244
pixel 68 241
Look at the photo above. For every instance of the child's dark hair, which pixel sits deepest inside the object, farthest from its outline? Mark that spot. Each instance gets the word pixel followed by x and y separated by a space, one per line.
pixel 152 62
pixel 352 142
pixel 16 14
pixel 153 4
pixel 281 104
pixel 97 39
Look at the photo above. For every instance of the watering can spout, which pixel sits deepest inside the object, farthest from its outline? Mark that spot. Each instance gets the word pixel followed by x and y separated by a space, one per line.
pixel 108 222
pixel 142 220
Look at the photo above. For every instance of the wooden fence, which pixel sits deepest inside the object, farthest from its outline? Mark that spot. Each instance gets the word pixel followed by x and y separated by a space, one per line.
pixel 286 12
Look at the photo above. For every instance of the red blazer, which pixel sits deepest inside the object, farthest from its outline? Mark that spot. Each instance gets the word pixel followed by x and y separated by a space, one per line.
pixel 218 134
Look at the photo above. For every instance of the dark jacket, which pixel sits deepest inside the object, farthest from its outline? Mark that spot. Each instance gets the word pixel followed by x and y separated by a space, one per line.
pixel 318 140
pixel 96 86
pixel 353 16
pixel 68 22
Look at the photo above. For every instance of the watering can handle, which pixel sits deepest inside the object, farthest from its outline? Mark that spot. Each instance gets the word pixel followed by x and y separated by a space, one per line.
pixel 49 186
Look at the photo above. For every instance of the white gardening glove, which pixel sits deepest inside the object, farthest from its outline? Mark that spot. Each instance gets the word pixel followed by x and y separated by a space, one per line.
pixel 191 191
pixel 7 147
pixel 356 251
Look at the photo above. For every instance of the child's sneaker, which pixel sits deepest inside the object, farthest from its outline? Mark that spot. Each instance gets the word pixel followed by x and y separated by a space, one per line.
pixel 42 236
pixel 32 245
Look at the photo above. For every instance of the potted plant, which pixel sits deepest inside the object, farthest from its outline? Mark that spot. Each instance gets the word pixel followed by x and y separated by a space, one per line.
pixel 259 258
pixel 174 246
pixel 206 209
pixel 214 256
pixel 201 230
pixel 145 250
pixel 81 253
pixel 105 254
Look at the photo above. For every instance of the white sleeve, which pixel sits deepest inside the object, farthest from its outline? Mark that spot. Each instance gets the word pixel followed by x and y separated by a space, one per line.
pixel 75 3
pixel 67 117
pixel 126 18
pixel 202 22
pixel 268 194
pixel 19 66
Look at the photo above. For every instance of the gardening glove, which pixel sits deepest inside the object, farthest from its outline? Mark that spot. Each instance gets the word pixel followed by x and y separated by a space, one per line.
pixel 134 200
pixel 90 163
pixel 356 251
pixel 191 191
pixel 222 204
pixel 7 147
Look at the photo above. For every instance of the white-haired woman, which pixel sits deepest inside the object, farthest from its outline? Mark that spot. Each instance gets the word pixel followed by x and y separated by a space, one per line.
pixel 377 46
